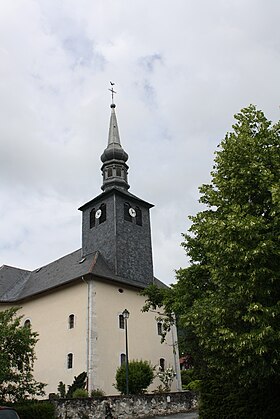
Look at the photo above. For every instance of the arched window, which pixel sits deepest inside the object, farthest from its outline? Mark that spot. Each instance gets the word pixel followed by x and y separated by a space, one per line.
pixel 70 361
pixel 110 172
pixel 118 171
pixel 92 218
pixel 159 328
pixel 138 216
pixel 162 364
pixel 102 217
pixel 126 214
pixel 71 321
pixel 27 323
pixel 121 321
pixel 123 358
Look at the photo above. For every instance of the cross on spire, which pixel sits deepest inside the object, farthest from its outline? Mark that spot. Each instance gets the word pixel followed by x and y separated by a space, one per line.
pixel 112 91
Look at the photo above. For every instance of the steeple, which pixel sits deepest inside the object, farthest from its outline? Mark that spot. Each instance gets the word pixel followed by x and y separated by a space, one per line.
pixel 114 168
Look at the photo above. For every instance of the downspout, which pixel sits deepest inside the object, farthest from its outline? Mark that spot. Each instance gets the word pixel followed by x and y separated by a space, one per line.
pixel 90 341
pixel 176 356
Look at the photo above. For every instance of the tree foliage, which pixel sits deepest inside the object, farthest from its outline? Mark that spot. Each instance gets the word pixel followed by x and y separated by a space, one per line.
pixel 228 299
pixel 17 355
pixel 140 376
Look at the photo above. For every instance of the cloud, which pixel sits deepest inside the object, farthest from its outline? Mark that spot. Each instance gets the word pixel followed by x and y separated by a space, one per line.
pixel 181 70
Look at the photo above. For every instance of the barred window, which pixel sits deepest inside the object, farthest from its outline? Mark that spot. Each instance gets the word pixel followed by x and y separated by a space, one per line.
pixel 70 361
pixel 71 321
pixel 121 321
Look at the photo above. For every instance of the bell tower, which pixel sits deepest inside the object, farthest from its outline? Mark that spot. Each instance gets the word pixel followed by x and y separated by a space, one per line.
pixel 117 223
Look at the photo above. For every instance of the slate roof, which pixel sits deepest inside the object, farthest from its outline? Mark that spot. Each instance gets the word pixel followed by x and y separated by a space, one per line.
pixel 18 284
pixel 122 192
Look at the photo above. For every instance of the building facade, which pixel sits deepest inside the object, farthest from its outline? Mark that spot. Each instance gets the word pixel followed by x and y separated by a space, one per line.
pixel 76 302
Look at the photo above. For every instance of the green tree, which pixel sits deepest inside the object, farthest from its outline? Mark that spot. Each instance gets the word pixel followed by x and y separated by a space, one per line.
pixel 228 299
pixel 17 355
pixel 140 376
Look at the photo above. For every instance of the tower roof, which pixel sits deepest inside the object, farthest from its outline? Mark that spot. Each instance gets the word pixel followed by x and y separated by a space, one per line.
pixel 114 158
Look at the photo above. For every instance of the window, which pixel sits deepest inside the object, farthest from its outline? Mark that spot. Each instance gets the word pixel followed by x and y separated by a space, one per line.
pixel 70 361
pixel 71 321
pixel 126 214
pixel 138 216
pixel 27 323
pixel 102 217
pixel 123 358
pixel 110 172
pixel 92 218
pixel 118 171
pixel 159 328
pixel 162 364
pixel 121 321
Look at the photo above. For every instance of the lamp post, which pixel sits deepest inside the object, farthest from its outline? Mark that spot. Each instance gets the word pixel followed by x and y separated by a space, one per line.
pixel 125 317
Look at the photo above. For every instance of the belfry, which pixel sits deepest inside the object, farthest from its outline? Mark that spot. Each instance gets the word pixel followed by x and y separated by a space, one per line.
pixel 117 223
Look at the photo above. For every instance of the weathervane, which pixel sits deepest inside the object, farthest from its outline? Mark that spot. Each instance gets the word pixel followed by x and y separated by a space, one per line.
pixel 112 91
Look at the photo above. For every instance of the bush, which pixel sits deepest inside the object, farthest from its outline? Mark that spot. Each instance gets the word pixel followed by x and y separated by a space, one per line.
pixel 35 410
pixel 97 393
pixel 79 393
pixel 187 376
pixel 78 382
pixel 140 376
pixel 194 385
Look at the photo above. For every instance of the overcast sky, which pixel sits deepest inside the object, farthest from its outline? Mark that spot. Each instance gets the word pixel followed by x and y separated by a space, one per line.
pixel 182 69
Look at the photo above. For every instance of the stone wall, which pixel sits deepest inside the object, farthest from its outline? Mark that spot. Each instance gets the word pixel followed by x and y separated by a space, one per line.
pixel 121 407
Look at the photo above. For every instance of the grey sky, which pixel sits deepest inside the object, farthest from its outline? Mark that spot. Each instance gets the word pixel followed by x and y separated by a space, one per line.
pixel 182 69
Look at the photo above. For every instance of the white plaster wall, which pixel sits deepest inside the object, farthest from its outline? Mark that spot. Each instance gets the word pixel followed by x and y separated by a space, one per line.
pixel 143 339
pixel 49 318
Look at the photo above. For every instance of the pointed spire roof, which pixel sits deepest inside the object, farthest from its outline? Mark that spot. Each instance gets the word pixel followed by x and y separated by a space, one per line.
pixel 114 136
pixel 114 158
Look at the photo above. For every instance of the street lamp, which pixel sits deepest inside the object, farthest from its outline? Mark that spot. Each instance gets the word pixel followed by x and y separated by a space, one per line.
pixel 125 314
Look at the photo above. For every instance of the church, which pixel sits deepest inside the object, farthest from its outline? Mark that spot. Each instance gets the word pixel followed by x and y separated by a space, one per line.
pixel 77 303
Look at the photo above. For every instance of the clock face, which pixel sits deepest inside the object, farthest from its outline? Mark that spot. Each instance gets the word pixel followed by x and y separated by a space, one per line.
pixel 132 212
pixel 98 213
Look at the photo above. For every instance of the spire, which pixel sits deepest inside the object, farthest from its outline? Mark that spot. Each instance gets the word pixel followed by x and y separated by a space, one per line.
pixel 114 157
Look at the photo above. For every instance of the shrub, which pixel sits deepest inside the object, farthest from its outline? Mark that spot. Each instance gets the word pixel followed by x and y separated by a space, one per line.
pixel 35 410
pixel 97 393
pixel 140 376
pixel 166 377
pixel 80 393
pixel 194 385
pixel 187 376
pixel 78 382
pixel 61 390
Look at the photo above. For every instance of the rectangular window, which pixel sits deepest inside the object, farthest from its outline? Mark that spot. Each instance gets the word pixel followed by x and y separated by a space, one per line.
pixel 70 361
pixel 121 321
pixel 123 357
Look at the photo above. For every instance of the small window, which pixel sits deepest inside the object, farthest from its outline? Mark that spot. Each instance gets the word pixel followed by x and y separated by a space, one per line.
pixel 27 323
pixel 159 328
pixel 110 172
pixel 162 364
pixel 71 321
pixel 102 217
pixel 138 216
pixel 126 214
pixel 92 218
pixel 123 358
pixel 70 361
pixel 118 171
pixel 121 321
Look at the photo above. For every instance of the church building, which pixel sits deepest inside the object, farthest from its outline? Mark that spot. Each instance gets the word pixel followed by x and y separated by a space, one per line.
pixel 76 303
